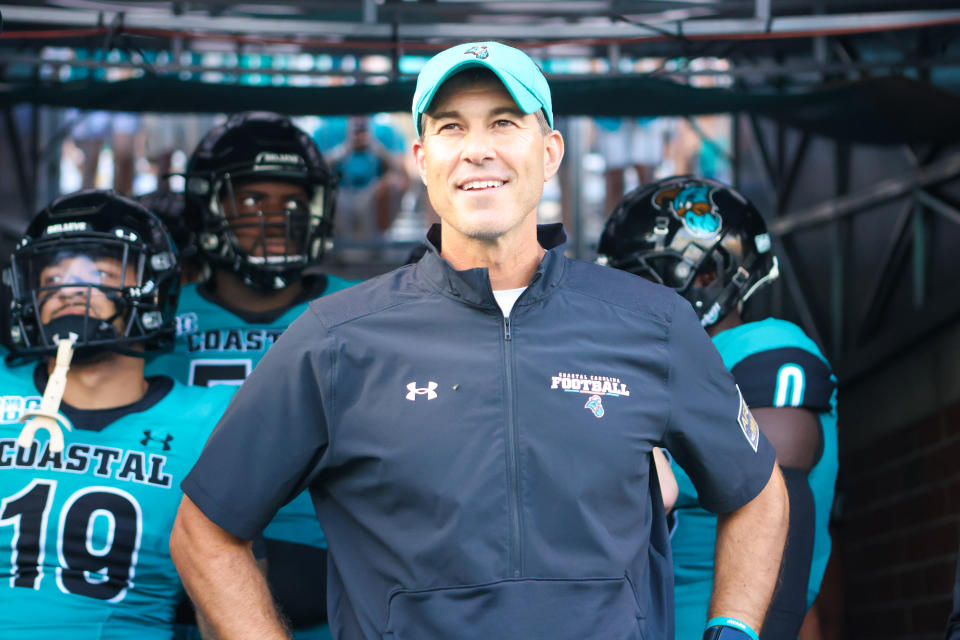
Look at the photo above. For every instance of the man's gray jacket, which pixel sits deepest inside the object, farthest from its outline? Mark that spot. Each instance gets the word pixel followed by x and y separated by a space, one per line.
pixel 482 477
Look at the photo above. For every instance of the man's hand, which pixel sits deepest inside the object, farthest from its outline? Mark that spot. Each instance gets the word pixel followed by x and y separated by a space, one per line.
pixel 750 544
pixel 222 578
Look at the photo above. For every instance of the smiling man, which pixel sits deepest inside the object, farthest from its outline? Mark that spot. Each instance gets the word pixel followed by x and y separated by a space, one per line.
pixel 476 429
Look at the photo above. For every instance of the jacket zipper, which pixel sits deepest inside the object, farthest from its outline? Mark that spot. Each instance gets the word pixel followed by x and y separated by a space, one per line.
pixel 513 471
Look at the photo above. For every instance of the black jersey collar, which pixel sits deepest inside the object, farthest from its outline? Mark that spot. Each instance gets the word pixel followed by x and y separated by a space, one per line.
pixel 313 287
pixel 96 419
pixel 472 286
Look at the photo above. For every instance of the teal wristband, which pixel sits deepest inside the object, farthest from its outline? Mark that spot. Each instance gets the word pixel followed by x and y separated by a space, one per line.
pixel 723 621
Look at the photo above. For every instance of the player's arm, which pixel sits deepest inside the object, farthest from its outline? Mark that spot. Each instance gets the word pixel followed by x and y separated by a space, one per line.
pixel 223 579
pixel 750 542
pixel 797 437
pixel 795 434
pixel 811 629
pixel 668 482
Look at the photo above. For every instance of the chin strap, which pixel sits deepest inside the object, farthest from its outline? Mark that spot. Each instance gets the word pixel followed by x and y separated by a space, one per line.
pixel 47 415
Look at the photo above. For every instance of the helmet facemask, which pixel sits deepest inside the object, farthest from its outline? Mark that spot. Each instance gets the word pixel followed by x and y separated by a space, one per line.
pixel 103 288
pixel 267 244
pixel 694 268
pixel 265 229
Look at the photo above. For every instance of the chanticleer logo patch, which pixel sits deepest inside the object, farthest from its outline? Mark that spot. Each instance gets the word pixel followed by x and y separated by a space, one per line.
pixel 748 424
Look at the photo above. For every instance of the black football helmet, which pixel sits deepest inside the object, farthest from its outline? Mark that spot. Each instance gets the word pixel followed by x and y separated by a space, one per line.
pixel 260 147
pixel 675 230
pixel 97 264
pixel 170 207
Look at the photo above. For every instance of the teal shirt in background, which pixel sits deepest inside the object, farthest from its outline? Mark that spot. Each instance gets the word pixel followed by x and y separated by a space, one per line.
pixel 100 515
pixel 216 346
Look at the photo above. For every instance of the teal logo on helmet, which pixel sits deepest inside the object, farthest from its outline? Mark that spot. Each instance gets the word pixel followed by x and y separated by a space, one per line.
pixel 479 52
pixel 692 204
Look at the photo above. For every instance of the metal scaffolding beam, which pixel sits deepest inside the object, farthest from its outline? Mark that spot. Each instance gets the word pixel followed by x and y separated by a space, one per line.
pixel 773 26
pixel 882 191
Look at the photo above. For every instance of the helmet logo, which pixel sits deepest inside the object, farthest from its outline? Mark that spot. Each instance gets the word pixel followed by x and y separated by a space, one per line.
pixel 270 157
pixel 693 205
pixel 65 227
pixel 479 52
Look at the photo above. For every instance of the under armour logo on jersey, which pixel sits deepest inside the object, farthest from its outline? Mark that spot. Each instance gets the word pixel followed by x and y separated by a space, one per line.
pixel 595 404
pixel 148 437
pixel 430 391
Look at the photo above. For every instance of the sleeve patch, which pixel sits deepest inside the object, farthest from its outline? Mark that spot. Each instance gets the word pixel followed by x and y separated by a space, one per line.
pixel 748 424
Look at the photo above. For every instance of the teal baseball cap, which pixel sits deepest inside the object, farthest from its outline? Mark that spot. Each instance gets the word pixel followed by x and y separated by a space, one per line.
pixel 518 73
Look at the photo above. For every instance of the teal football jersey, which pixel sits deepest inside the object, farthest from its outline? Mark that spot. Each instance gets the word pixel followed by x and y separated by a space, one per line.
pixel 775 364
pixel 215 346
pixel 84 532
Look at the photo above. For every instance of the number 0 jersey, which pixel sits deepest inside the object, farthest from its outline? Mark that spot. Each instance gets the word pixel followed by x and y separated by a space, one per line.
pixel 216 346
pixel 84 533
pixel 775 365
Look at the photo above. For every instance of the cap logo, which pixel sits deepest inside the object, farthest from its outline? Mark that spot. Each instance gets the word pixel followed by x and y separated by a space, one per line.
pixel 479 52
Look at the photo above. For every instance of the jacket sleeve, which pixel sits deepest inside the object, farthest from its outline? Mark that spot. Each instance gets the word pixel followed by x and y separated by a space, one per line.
pixel 710 431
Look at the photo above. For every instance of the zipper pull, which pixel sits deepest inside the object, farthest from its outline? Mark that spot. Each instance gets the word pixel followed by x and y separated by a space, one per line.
pixel 506 327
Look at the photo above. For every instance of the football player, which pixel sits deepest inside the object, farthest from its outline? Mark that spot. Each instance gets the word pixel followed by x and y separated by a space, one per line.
pixel 708 242
pixel 260 197
pixel 85 515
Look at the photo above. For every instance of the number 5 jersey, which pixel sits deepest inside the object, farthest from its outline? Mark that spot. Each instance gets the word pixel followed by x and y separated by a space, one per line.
pixel 84 532
pixel 219 345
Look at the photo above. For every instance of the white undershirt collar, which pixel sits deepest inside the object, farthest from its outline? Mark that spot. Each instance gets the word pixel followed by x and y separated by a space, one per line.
pixel 506 298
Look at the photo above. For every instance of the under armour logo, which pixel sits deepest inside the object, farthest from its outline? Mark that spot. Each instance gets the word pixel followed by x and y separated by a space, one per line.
pixel 595 405
pixel 479 52
pixel 430 391
pixel 147 437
